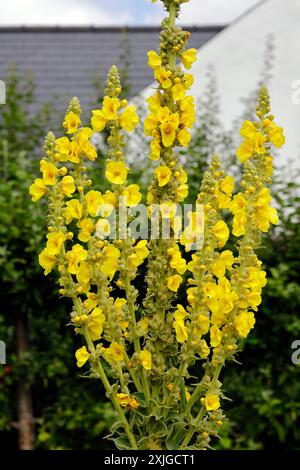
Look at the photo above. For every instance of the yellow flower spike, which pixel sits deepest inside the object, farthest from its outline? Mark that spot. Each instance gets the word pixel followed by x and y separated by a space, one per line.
pixel 68 186
pixel 73 210
pixel 189 57
pixel 82 356
pixel 174 282
pixel 71 122
pixel 154 60
pixel 116 172
pixel 146 359
pixel 37 189
pixel 129 119
pixel 163 174
pixel 132 194
pixel 93 201
pixel 98 120
pixel 54 243
pixel 211 402
pixel 49 172
pixel 47 261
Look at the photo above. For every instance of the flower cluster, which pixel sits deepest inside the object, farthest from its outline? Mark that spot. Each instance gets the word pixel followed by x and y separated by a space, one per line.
pixel 142 343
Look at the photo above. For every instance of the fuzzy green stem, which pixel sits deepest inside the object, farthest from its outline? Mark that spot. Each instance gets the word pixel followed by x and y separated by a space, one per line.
pixel 109 391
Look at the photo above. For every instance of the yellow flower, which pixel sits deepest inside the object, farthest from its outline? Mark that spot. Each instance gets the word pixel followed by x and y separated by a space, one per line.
pixel 154 60
pixel 110 258
pixel 49 172
pixel 54 243
pixel 245 151
pixel 47 261
pixel 73 210
pixel 132 194
pixel 98 120
pixel 163 77
pixel 182 192
pixel 71 122
pixel 174 282
pixel 276 135
pixel 178 92
pixel 224 261
pixel 82 355
pixel 103 228
pixel 37 189
pixel 211 402
pixel 110 108
pixel 244 322
pixel 154 102
pixel 83 274
pixel 114 353
pixel 215 336
pixel 129 119
pixel 163 174
pixel 203 324
pixel 86 227
pixel 126 401
pixel 221 232
pixel 77 254
pixel 93 201
pixel 184 137
pixel 63 149
pixel 168 133
pixel 116 172
pixel 141 251
pixel 180 330
pixel 155 150
pixel 95 324
pixel 188 80
pixel 189 57
pixel 146 359
pixel 248 130
pixel 188 114
pixel 227 185
pixel 150 123
pixel 68 186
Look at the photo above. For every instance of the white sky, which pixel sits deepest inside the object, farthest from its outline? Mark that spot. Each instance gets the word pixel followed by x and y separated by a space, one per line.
pixel 115 12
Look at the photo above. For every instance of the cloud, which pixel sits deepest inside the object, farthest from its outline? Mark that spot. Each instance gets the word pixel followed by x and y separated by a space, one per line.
pixel 67 12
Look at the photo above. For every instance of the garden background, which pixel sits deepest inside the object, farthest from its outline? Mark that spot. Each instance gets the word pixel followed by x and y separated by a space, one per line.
pixel 44 403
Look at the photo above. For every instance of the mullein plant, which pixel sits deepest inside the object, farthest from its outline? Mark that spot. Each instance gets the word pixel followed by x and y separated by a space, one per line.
pixel 158 359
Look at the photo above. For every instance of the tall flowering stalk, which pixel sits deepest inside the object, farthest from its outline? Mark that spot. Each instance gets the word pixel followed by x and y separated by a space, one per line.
pixel 158 359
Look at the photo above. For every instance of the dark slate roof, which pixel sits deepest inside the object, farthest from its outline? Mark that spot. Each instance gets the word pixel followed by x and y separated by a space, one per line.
pixel 65 60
